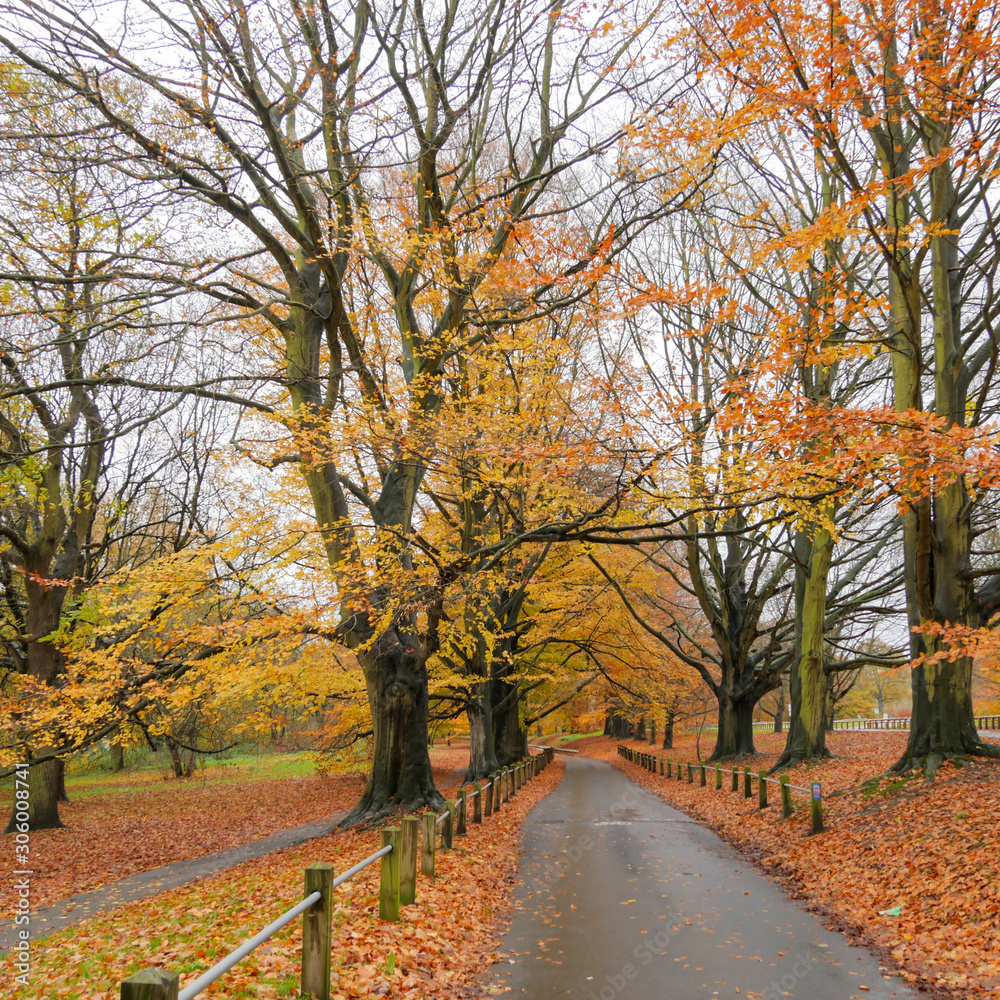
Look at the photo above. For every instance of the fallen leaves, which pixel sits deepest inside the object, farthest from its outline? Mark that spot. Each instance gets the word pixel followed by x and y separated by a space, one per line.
pixel 443 943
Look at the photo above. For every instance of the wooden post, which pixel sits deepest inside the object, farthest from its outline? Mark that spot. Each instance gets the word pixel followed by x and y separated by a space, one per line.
pixel 680 771
pixel 505 784
pixel 761 790
pixel 409 842
pixel 786 797
pixel 428 843
pixel 477 802
pixel 151 984
pixel 690 773
pixel 718 776
pixel 701 768
pixel 461 809
pixel 448 826
pixel 747 783
pixel 488 799
pixel 816 808
pixel 317 932
pixel 669 766
pixel 497 791
pixel 736 778
pixel 519 774
pixel 661 767
pixel 388 893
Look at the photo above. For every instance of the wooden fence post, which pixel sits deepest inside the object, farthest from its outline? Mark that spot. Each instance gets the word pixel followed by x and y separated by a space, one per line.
pixel 736 778
pixel 690 773
pixel 497 791
pixel 505 784
pixel 488 798
pixel 669 771
pixel 718 776
pixel 747 782
pixel 761 790
pixel 428 843
pixel 151 984
pixel 317 933
pixel 388 893
pixel 786 797
pixel 816 808
pixel 461 808
pixel 680 771
pixel 409 842
pixel 448 826
pixel 477 802
pixel 701 768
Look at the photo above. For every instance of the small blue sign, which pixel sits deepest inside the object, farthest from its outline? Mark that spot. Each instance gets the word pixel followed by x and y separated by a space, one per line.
pixel 816 795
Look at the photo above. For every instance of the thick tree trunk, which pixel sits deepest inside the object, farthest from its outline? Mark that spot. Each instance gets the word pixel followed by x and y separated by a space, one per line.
pixel 779 715
pixel 482 740
pixel 668 734
pixel 511 740
pixel 117 757
pixel 640 732
pixel 400 778
pixel 735 736
pixel 43 798
pixel 607 725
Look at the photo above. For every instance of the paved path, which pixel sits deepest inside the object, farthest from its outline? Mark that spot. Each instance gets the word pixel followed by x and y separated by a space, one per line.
pixel 624 896
pixel 84 905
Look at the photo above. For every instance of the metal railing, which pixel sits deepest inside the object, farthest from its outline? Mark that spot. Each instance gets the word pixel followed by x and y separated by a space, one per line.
pixel 398 881
pixel 651 762
pixel 988 722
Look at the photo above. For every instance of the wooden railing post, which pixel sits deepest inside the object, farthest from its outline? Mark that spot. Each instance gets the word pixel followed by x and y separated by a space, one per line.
pixel 747 782
pixel 409 842
pixel 488 798
pixel 690 773
pixel 497 791
pixel 680 771
pixel 786 797
pixel 670 772
pixel 701 768
pixel 461 808
pixel 427 844
pixel 816 808
pixel 477 802
pixel 718 776
pixel 505 784
pixel 448 826
pixel 736 778
pixel 388 893
pixel 151 984
pixel 317 932
pixel 761 789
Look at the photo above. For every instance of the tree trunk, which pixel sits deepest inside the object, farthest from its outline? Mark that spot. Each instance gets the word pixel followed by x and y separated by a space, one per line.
pixel 43 799
pixel 117 757
pixel 640 732
pixel 61 786
pixel 668 734
pixel 779 715
pixel 400 778
pixel 807 732
pixel 510 739
pixel 482 740
pixel 735 736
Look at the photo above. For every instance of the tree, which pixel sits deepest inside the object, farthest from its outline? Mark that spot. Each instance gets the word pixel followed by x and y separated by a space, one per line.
pixel 376 156
pixel 897 100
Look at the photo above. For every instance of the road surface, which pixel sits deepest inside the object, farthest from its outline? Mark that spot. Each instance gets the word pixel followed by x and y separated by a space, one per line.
pixel 623 896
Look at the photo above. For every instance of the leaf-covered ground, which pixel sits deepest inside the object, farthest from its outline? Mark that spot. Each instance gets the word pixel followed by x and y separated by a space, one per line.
pixel 931 849
pixel 440 948
pixel 135 822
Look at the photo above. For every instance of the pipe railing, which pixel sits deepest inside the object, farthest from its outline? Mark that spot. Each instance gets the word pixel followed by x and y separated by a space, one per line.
pixel 987 722
pixel 651 762
pixel 398 855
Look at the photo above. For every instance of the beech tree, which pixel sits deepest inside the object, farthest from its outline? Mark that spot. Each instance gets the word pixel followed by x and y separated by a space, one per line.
pixel 898 100
pixel 369 153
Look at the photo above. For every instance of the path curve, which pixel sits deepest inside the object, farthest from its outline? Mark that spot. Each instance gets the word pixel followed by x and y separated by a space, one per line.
pixel 84 905
pixel 623 896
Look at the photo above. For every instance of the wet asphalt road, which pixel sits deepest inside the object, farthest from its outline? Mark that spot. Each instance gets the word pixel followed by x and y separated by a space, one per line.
pixel 624 897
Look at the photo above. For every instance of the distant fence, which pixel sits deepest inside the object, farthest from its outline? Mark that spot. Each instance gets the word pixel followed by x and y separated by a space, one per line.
pixel 652 762
pixel 401 846
pixel 981 721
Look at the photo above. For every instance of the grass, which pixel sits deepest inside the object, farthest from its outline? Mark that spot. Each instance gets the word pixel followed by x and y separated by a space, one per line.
pixel 87 778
